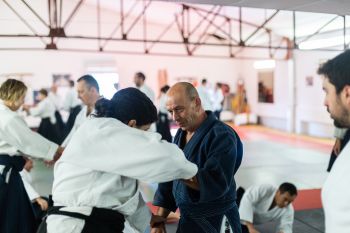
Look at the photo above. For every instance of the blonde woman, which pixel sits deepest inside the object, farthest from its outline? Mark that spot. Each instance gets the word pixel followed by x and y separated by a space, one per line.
pixel 16 138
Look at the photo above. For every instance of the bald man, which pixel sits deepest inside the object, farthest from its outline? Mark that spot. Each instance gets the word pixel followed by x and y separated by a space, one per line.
pixel 217 151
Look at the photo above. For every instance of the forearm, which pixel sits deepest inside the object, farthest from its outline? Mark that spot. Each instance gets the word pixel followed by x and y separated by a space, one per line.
pixel 163 212
pixel 157 222
pixel 250 227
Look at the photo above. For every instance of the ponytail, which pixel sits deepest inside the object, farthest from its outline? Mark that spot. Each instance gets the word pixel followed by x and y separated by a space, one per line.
pixel 103 108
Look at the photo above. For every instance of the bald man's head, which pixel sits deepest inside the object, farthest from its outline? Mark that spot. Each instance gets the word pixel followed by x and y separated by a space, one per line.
pixel 186 89
pixel 184 105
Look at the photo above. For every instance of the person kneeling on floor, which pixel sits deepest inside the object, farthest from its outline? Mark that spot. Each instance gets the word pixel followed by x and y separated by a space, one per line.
pixel 264 203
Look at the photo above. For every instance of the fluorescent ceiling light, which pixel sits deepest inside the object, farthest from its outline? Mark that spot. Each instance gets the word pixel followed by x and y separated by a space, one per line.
pixel 323 43
pixel 264 64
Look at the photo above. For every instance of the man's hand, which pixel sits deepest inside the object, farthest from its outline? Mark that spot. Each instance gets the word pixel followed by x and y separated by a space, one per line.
pixel 42 203
pixel 26 108
pixel 160 229
pixel 251 227
pixel 336 147
pixel 253 231
pixel 157 224
pixel 58 153
pixel 192 183
pixel 56 157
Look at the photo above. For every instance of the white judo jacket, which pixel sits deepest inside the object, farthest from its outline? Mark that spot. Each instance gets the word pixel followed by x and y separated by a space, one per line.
pixel 336 195
pixel 79 120
pixel 255 204
pixel 16 137
pixel 101 167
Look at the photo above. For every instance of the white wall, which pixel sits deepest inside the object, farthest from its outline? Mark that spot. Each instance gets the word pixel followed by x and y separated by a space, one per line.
pixel 270 114
pixel 308 116
pixel 311 116
pixel 42 64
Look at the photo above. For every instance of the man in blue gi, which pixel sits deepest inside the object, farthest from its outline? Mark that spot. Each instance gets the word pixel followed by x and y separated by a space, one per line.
pixel 217 150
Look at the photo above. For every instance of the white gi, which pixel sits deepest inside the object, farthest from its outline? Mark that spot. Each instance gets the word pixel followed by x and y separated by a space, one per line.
pixel 147 91
pixel 217 99
pixel 55 100
pixel 16 137
pixel 255 204
pixel 100 168
pixel 44 109
pixel 79 120
pixel 71 100
pixel 162 103
pixel 336 195
pixel 150 94
pixel 205 98
pixel 28 185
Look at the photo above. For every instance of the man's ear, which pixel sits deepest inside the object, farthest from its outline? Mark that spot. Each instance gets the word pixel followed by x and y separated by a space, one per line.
pixel 198 101
pixel 346 91
pixel 132 123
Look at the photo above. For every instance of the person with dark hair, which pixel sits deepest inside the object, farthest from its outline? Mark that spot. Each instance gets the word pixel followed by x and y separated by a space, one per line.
pixel 89 93
pixel 139 80
pixel 163 124
pixel 96 180
pixel 217 150
pixel 16 139
pixel 336 190
pixel 265 203
pixel 71 104
pixel 45 109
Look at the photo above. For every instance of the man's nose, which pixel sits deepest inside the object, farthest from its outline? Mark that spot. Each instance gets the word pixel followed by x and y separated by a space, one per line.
pixel 175 116
pixel 325 102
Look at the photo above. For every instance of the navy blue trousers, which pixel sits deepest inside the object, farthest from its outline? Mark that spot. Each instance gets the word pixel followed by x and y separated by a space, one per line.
pixel 16 213
pixel 209 224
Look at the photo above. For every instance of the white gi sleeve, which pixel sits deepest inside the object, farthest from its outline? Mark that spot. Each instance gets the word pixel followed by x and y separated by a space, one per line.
pixel 285 223
pixel 246 208
pixel 32 193
pixel 120 149
pixel 20 136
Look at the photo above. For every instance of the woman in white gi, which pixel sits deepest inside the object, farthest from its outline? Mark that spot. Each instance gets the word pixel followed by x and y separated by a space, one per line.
pixel 16 214
pixel 45 109
pixel 96 180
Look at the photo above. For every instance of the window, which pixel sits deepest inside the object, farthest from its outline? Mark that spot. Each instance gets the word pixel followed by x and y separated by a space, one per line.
pixel 108 83
pixel 106 76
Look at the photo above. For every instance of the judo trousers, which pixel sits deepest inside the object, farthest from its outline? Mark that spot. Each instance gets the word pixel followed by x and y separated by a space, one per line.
pixel 16 212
